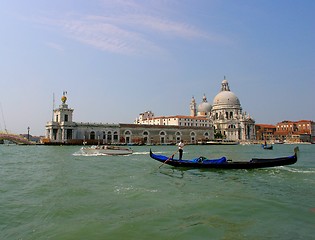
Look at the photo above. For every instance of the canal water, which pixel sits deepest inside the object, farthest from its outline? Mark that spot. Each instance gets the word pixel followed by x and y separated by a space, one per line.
pixel 56 192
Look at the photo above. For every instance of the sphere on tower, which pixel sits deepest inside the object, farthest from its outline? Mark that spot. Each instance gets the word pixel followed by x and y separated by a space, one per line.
pixel 64 98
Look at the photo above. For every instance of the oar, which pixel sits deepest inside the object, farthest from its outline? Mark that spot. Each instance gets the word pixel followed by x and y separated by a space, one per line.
pixel 168 158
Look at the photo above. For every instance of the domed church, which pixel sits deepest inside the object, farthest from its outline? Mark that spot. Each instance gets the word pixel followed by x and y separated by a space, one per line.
pixel 226 115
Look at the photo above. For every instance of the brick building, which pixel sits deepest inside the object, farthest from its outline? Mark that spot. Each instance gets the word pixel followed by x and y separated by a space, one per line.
pixel 295 131
pixel 265 131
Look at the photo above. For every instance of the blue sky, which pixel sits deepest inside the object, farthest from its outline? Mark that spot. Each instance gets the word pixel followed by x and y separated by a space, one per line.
pixel 118 58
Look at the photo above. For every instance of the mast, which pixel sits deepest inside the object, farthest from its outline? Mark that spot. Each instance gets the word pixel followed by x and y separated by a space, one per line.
pixel 53 108
pixel 5 127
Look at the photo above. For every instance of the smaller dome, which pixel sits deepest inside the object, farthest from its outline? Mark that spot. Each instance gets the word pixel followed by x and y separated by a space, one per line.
pixel 204 107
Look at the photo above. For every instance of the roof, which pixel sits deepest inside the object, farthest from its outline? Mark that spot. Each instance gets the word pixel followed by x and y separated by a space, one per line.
pixel 266 125
pixel 178 116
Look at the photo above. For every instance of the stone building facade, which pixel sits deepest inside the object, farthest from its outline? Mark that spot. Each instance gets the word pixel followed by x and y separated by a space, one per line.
pixel 226 115
pixel 147 118
pixel 63 130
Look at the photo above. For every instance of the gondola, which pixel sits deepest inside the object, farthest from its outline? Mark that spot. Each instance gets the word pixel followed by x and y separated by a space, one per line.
pixel 224 163
pixel 267 147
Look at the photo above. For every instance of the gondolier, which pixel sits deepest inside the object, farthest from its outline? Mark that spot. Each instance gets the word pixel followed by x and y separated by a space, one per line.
pixel 180 149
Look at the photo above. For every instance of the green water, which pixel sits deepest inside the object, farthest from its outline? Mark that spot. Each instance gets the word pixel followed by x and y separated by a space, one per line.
pixel 54 192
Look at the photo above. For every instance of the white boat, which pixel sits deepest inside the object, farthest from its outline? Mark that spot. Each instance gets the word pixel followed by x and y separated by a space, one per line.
pixel 106 150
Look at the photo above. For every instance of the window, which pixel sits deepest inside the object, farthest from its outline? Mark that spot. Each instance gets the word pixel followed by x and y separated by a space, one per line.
pixel 69 133
pixel 55 131
pixel 115 136
pixel 109 136
pixel 92 135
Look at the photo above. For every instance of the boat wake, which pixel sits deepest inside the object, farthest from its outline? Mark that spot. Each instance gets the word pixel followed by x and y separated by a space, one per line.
pixel 94 154
pixel 126 189
pixel 140 153
pixel 296 170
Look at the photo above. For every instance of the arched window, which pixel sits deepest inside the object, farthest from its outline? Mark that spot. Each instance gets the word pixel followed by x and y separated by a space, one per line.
pixel 115 136
pixel 206 135
pixel 109 136
pixel 92 135
pixel 127 136
pixel 145 135
pixel 162 137
pixel 193 137
pixel 178 136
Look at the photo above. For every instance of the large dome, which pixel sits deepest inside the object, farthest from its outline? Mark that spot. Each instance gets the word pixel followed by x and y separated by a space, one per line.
pixel 226 98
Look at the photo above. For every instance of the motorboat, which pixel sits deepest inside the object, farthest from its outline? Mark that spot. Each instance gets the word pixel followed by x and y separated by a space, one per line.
pixel 106 150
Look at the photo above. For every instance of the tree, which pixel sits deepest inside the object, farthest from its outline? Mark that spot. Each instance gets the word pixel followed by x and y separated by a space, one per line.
pixel 218 135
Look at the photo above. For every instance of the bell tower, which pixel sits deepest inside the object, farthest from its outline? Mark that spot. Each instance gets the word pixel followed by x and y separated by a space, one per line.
pixel 193 108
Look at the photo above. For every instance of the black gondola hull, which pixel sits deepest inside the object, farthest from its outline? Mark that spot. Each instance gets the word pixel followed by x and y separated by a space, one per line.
pixel 222 163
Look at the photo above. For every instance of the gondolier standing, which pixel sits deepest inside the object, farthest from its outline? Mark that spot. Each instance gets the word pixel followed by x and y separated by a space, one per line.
pixel 180 149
